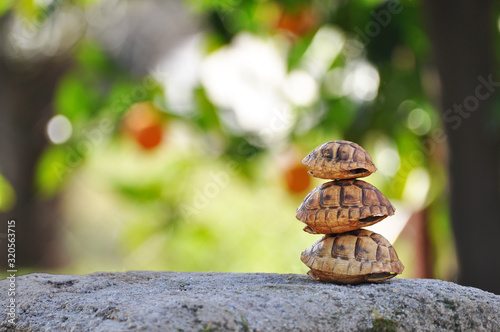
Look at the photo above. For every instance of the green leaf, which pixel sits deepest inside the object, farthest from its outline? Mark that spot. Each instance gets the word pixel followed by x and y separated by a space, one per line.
pixel 74 99
pixel 7 195
pixel 53 167
pixel 146 192
pixel 207 117
pixel 92 57
pixel 5 5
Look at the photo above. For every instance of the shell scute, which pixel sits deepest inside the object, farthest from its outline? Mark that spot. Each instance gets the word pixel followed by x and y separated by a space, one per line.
pixel 370 197
pixel 331 197
pixel 365 250
pixel 358 156
pixel 313 201
pixel 352 196
pixel 345 152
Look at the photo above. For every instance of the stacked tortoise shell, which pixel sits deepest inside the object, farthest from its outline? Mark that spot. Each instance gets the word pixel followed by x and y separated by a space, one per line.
pixel 339 208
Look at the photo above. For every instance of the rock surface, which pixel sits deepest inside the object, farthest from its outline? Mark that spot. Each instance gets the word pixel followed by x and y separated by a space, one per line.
pixel 175 301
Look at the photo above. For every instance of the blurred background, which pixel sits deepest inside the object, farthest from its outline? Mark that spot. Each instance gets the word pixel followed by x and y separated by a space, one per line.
pixel 168 135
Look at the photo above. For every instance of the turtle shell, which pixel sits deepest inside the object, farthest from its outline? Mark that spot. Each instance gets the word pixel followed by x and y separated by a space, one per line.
pixel 352 258
pixel 339 160
pixel 343 205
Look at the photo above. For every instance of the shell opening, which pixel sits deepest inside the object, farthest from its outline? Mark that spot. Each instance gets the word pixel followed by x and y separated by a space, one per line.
pixel 380 276
pixel 309 230
pixel 311 274
pixel 371 219
pixel 358 171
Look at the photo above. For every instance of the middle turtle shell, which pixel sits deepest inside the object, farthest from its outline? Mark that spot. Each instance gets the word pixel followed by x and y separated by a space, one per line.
pixel 343 205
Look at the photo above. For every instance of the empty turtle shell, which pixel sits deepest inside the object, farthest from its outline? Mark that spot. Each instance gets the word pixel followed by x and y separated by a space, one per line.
pixel 343 205
pixel 352 258
pixel 339 160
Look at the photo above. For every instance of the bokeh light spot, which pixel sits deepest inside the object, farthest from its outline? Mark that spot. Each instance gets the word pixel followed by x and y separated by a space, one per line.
pixel 388 161
pixel 301 89
pixel 419 121
pixel 59 129
pixel 361 81
pixel 333 83
pixel 386 157
pixel 416 188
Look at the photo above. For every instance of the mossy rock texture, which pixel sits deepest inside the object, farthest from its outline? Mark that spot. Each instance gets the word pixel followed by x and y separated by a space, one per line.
pixel 192 301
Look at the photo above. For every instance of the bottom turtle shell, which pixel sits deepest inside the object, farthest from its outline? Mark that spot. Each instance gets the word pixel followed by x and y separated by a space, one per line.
pixel 352 258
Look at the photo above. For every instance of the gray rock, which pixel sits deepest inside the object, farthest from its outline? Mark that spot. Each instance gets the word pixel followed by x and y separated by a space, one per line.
pixel 177 301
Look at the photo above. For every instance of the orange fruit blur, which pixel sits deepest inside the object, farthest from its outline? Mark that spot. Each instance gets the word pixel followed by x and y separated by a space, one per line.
pixel 297 179
pixel 299 21
pixel 143 123
pixel 150 136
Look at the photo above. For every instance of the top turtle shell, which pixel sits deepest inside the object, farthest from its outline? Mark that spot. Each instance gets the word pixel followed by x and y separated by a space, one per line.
pixel 339 160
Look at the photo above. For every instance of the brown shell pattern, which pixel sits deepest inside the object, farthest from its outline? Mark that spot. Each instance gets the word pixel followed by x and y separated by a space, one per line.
pixel 343 205
pixel 339 160
pixel 351 258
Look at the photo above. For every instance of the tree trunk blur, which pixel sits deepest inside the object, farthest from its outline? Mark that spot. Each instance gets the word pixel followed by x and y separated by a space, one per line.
pixel 461 34
pixel 26 92
pixel 423 252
